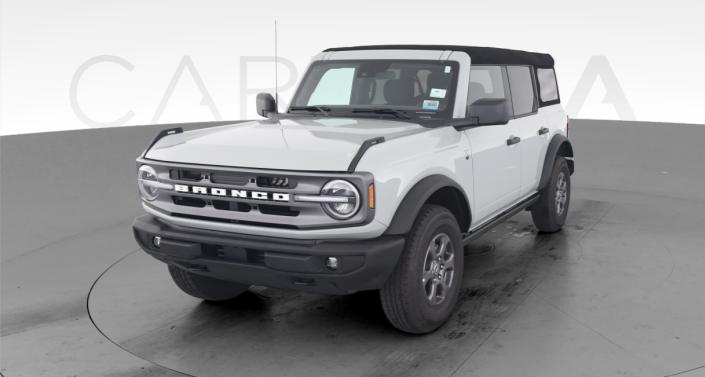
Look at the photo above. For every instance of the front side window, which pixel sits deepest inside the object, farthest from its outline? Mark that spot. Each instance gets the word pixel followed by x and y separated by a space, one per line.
pixel 488 96
pixel 522 88
pixel 415 89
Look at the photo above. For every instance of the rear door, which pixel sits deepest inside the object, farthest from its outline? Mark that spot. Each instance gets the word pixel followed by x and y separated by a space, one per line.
pixel 530 128
pixel 552 114
pixel 496 163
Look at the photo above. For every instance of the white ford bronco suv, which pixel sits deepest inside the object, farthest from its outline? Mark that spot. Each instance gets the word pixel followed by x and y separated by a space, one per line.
pixel 388 160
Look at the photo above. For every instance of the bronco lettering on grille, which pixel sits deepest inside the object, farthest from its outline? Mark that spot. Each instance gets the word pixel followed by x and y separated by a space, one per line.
pixel 244 194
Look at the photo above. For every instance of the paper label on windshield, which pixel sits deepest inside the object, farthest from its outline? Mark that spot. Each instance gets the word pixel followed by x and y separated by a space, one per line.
pixel 437 93
pixel 430 104
pixel 447 69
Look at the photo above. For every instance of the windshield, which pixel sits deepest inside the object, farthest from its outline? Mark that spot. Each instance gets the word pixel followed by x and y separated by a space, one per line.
pixel 397 88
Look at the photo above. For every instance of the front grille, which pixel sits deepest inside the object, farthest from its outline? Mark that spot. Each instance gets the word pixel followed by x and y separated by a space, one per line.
pixel 227 206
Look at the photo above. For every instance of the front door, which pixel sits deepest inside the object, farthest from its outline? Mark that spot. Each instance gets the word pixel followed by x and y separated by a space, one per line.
pixel 496 165
pixel 496 153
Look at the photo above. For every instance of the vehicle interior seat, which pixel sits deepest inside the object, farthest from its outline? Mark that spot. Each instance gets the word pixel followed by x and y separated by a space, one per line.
pixel 400 92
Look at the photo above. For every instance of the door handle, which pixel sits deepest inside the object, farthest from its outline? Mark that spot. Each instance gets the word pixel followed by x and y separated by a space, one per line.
pixel 543 130
pixel 513 140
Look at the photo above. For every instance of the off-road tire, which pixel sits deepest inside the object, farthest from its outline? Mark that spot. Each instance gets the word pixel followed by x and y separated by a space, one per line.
pixel 204 287
pixel 404 296
pixel 544 212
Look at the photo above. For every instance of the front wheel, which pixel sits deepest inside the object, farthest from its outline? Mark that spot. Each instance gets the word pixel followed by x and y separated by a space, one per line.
pixel 421 293
pixel 550 211
pixel 205 287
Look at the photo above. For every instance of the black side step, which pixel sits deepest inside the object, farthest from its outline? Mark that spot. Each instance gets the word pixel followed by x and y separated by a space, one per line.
pixel 467 237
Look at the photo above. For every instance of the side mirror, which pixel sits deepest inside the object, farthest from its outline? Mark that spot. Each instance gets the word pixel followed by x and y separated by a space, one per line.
pixel 266 105
pixel 490 111
pixel 467 123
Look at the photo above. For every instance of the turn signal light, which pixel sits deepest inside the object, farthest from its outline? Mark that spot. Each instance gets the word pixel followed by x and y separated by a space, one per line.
pixel 371 195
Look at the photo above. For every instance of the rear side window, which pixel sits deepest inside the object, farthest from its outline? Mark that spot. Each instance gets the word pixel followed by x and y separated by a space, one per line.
pixel 547 85
pixel 522 88
pixel 488 97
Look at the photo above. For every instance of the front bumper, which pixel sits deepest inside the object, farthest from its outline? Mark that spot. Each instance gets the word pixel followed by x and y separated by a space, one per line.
pixel 270 261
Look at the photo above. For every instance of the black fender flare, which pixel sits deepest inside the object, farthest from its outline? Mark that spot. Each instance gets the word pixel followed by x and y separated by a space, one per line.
pixel 559 146
pixel 410 206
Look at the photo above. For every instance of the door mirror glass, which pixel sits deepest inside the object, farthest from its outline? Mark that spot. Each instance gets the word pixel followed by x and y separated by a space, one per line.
pixel 266 105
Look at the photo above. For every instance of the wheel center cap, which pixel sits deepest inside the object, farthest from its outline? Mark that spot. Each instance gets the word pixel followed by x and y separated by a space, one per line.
pixel 435 267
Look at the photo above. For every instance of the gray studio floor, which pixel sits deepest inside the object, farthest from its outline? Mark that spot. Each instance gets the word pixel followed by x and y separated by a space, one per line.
pixel 618 293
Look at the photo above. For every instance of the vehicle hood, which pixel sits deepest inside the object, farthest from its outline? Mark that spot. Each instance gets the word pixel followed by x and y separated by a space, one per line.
pixel 306 144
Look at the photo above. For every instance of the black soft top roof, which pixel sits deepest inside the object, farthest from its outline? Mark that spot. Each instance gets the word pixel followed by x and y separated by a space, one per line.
pixel 478 55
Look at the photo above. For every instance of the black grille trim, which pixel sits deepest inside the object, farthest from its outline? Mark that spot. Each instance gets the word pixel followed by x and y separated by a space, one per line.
pixel 227 205
pixel 269 209
pixel 276 182
pixel 188 201
pixel 229 179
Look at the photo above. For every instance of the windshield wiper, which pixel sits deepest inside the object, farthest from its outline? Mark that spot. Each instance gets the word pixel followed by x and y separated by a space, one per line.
pixel 320 109
pixel 384 110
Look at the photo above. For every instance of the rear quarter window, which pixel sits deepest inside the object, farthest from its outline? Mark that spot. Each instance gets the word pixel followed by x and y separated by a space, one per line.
pixel 548 87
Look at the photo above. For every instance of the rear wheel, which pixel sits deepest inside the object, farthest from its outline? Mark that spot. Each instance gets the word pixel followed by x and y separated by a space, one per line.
pixel 421 293
pixel 205 287
pixel 550 211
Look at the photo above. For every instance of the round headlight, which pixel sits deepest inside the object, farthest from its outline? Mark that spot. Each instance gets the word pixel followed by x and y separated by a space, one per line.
pixel 349 203
pixel 147 182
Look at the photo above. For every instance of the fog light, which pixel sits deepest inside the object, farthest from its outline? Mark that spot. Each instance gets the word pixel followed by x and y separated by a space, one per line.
pixel 332 263
pixel 157 241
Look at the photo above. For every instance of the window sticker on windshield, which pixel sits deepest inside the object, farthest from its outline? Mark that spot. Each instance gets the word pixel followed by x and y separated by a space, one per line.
pixel 430 104
pixel 437 93
pixel 447 69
